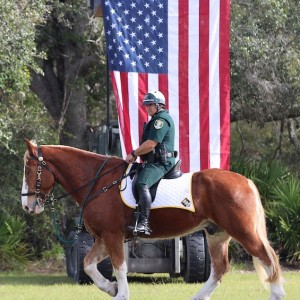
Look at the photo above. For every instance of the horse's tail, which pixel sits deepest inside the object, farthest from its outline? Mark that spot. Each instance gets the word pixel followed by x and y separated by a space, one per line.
pixel 274 270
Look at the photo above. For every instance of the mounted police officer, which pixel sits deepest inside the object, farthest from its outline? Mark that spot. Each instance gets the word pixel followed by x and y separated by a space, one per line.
pixel 157 152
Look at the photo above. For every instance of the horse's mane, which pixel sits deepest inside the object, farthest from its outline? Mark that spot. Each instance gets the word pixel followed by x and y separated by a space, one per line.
pixel 69 148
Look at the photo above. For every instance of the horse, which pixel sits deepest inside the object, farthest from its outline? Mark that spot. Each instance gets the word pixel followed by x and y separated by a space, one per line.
pixel 224 200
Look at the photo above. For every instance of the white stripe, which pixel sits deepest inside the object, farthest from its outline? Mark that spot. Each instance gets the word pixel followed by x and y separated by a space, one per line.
pixel 133 109
pixel 214 84
pixel 117 77
pixel 173 52
pixel 193 69
pixel 152 84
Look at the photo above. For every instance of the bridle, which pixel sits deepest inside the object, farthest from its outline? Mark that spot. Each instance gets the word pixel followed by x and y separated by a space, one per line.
pixel 44 199
pixel 41 198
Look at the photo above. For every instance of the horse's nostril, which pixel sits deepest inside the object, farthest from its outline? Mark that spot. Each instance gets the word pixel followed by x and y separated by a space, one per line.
pixel 26 207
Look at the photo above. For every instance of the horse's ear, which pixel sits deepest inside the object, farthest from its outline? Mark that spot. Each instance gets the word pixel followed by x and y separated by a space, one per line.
pixel 31 147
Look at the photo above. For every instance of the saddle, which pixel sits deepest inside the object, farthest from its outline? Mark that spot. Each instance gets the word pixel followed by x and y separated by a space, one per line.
pixel 175 172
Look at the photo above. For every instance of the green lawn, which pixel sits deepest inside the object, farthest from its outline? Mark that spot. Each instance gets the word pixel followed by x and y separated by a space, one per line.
pixel 235 285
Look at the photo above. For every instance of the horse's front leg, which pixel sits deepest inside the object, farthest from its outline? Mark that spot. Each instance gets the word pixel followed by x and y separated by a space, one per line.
pixel 115 247
pixel 97 253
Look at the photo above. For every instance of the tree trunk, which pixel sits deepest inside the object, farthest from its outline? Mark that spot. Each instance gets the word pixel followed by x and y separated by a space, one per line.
pixel 62 87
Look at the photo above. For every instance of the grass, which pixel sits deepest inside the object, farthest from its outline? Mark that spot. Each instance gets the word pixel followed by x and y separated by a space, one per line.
pixel 237 285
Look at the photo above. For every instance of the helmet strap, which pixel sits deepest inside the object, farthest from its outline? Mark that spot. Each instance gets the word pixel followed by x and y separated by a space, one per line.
pixel 159 107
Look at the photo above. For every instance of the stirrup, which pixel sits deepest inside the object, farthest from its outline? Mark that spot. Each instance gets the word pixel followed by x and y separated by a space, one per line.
pixel 144 228
pixel 136 217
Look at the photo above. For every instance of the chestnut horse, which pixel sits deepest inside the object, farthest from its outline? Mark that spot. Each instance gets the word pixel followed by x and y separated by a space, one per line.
pixel 225 201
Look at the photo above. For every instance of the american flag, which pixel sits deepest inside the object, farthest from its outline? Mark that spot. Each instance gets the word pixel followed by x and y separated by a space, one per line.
pixel 180 47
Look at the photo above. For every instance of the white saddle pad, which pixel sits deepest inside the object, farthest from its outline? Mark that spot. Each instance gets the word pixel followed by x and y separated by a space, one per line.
pixel 170 193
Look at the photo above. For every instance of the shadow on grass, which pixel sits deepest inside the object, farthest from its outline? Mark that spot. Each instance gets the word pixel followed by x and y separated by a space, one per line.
pixel 157 279
pixel 34 279
pixel 52 279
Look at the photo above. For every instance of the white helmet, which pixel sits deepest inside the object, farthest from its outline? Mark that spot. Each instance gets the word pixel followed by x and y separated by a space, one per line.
pixel 154 97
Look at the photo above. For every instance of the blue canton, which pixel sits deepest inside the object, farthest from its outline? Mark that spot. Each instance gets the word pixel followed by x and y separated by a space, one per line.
pixel 137 35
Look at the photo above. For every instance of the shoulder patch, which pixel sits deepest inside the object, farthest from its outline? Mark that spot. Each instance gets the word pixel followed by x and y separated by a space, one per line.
pixel 158 124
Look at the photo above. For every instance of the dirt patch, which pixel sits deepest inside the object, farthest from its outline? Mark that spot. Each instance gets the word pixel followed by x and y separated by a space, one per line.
pixel 47 267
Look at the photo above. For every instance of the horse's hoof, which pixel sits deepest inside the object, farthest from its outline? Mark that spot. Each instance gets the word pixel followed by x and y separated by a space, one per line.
pixel 113 289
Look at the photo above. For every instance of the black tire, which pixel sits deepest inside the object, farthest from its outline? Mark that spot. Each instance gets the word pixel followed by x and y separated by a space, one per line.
pixel 80 249
pixel 207 259
pixel 75 255
pixel 196 258
pixel 105 268
pixel 68 255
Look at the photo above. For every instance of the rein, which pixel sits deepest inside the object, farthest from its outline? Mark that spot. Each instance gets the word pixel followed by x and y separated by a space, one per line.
pixel 50 199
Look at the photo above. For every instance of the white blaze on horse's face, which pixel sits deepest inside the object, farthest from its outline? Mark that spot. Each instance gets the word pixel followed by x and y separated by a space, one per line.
pixel 29 203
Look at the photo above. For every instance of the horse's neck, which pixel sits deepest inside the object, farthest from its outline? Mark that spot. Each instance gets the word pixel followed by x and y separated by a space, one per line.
pixel 74 168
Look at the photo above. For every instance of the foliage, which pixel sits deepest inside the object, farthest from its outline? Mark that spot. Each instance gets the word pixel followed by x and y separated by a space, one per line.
pixel 13 249
pixel 24 117
pixel 265 59
pixel 18 49
pixel 264 174
pixel 284 216
pixel 280 195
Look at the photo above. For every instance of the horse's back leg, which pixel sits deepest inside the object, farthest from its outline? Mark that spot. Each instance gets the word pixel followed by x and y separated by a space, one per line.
pixel 97 253
pixel 265 259
pixel 218 248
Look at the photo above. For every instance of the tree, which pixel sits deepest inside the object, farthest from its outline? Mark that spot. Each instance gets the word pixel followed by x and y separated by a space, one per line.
pixel 75 57
pixel 17 48
pixel 265 68
pixel 265 54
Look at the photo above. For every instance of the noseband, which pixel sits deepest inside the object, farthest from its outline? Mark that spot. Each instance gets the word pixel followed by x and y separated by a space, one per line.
pixel 41 198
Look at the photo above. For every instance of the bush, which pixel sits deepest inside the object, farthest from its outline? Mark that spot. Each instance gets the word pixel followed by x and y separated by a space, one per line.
pixel 280 195
pixel 13 250
pixel 284 216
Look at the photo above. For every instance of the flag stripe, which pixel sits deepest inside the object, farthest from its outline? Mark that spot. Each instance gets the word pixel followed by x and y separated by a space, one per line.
pixel 194 122
pixel 142 87
pixel 163 87
pixel 204 84
pixel 183 84
pixel 214 87
pixel 224 84
pixel 173 65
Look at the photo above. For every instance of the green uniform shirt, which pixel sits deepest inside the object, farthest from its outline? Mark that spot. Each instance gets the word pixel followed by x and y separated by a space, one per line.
pixel 162 130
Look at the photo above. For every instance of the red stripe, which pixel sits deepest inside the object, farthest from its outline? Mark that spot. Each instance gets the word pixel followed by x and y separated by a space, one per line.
pixel 183 30
pixel 225 83
pixel 164 87
pixel 204 83
pixel 123 108
pixel 142 113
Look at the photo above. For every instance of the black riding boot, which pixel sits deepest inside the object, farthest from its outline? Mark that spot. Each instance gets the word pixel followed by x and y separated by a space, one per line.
pixel 145 201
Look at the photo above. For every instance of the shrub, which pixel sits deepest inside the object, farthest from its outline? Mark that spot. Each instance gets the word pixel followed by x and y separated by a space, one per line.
pixel 280 195
pixel 284 216
pixel 13 251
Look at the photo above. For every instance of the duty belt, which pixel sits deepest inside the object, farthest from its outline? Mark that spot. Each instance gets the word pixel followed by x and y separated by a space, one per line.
pixel 171 154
